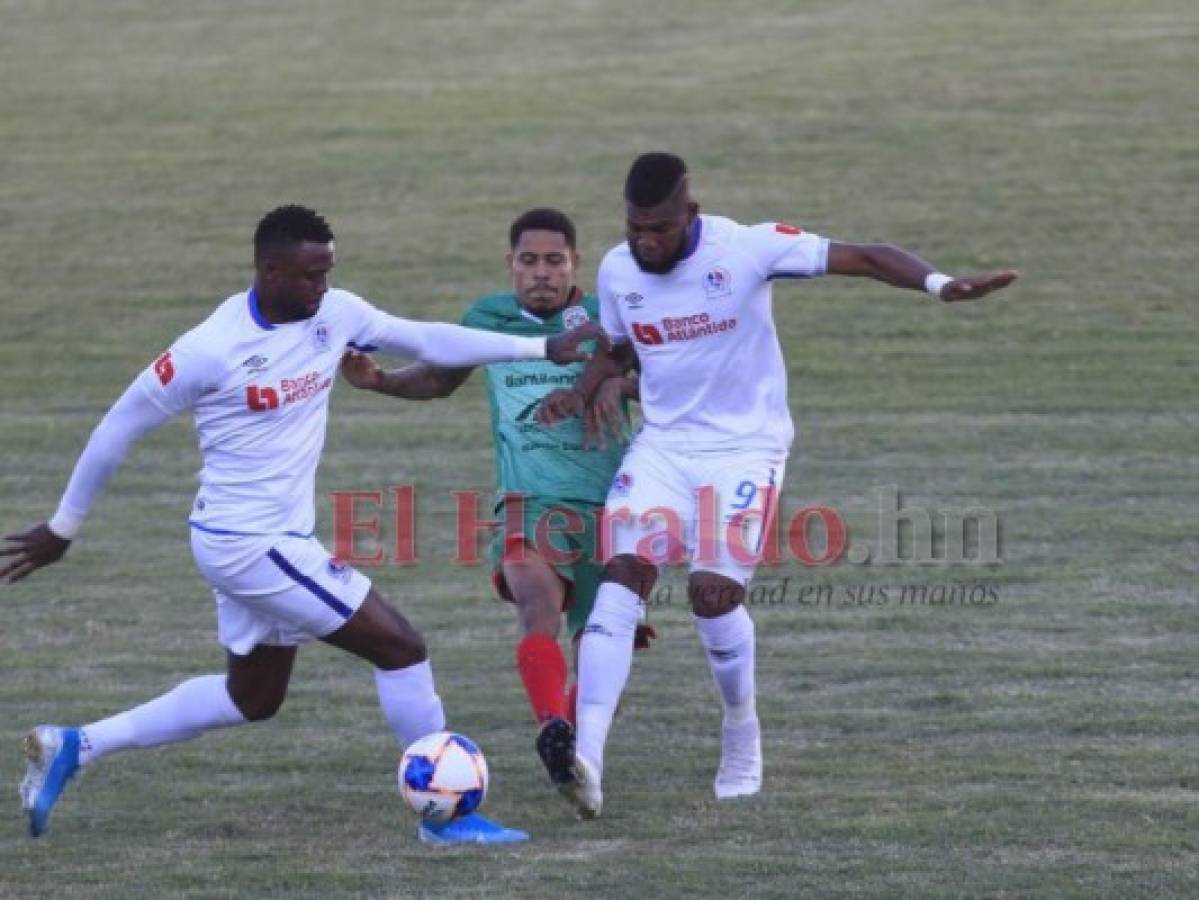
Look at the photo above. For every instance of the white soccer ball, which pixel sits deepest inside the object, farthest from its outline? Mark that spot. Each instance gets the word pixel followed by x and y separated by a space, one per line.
pixel 443 776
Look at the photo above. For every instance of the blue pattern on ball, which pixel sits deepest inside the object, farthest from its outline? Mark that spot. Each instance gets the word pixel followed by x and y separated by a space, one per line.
pixel 468 802
pixel 419 773
pixel 466 743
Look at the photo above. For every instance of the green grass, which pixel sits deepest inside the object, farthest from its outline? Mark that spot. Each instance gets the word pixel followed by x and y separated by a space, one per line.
pixel 1042 745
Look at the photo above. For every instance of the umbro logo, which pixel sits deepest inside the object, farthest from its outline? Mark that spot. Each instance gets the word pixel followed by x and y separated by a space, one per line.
pixel 255 363
pixel 634 300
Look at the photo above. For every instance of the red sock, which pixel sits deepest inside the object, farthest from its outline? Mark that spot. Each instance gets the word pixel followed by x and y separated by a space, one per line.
pixel 543 670
pixel 572 703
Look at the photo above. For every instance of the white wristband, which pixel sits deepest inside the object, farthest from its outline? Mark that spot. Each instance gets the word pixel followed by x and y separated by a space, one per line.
pixel 528 347
pixel 934 281
pixel 65 524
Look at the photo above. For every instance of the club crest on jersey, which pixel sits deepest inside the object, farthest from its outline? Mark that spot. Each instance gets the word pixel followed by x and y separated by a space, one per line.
pixel 634 300
pixel 339 570
pixel 254 364
pixel 574 316
pixel 622 484
pixel 717 283
pixel 320 336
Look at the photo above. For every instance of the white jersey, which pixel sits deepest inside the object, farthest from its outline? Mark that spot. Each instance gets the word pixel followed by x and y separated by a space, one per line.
pixel 712 373
pixel 260 393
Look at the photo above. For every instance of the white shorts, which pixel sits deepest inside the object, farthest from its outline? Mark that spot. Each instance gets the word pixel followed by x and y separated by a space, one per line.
pixel 712 508
pixel 276 589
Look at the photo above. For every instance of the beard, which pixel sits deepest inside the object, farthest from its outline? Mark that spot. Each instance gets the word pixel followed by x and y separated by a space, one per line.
pixel 656 268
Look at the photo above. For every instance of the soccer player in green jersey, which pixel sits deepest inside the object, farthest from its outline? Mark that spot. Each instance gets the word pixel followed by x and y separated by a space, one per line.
pixel 552 481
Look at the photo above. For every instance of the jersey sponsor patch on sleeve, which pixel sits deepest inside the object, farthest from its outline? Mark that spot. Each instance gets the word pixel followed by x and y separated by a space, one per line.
pixel 164 368
pixel 784 228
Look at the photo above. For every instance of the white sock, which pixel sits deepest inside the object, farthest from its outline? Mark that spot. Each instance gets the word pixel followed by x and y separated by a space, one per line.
pixel 605 657
pixel 192 708
pixel 729 644
pixel 410 702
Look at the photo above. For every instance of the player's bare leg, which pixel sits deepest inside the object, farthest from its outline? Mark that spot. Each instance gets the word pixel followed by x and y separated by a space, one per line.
pixel 727 634
pixel 257 682
pixel 539 593
pixel 605 658
pixel 379 634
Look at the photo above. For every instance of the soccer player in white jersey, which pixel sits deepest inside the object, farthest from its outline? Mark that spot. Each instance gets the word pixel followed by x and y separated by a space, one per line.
pixel 687 298
pixel 257 375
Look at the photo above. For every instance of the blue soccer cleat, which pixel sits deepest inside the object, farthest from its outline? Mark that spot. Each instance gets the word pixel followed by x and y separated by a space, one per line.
pixel 53 754
pixel 472 829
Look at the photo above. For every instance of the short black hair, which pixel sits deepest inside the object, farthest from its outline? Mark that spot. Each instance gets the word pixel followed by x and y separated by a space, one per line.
pixel 652 178
pixel 286 226
pixel 542 218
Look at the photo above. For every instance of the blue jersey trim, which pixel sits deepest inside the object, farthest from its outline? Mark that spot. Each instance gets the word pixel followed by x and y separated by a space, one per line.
pixel 209 530
pixel 255 312
pixel 795 275
pixel 693 236
pixel 304 581
pixel 361 348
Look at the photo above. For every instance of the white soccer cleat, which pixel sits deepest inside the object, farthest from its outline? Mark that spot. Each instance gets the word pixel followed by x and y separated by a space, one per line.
pixel 740 772
pixel 584 789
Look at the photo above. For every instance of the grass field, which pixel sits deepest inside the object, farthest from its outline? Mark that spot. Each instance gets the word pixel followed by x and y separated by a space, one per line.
pixel 1045 744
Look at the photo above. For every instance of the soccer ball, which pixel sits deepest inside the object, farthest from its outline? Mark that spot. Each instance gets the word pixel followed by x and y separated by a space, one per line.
pixel 443 776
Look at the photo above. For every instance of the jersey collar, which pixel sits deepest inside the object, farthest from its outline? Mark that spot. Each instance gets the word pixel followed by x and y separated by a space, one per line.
pixel 693 235
pixel 255 312
pixel 571 299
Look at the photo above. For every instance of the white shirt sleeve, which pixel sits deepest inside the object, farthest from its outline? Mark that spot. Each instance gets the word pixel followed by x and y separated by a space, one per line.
pixel 609 313
pixel 178 377
pixel 133 415
pixel 784 251
pixel 442 344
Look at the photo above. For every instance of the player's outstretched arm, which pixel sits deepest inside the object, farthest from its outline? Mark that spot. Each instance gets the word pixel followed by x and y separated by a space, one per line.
pixel 419 381
pixel 131 417
pixel 898 267
pixel 455 346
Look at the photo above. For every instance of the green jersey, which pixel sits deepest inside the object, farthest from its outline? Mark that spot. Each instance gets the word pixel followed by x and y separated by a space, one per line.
pixel 530 458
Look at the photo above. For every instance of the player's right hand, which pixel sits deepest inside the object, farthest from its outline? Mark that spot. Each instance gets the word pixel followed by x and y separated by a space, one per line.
pixel 360 370
pixel 32 549
pixel 564 348
pixel 564 403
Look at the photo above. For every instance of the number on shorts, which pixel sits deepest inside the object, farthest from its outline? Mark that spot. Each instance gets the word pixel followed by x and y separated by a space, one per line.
pixel 746 491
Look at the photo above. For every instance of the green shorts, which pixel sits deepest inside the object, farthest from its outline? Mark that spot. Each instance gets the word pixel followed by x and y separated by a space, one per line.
pixel 565 533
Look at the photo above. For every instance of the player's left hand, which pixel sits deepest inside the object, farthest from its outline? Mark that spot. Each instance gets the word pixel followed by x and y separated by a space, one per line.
pixel 360 370
pixel 37 547
pixel 973 287
pixel 564 348
pixel 605 415
pixel 644 635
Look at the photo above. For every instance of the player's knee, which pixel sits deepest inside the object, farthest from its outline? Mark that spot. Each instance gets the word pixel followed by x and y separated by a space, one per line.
pixel 402 646
pixel 633 572
pixel 540 619
pixel 713 595
pixel 257 705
